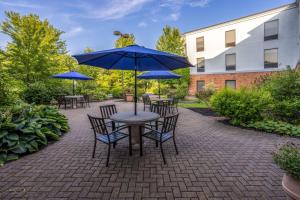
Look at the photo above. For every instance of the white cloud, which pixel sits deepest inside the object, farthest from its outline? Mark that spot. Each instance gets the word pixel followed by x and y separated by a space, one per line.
pixel 74 31
pixel 19 4
pixel 175 6
pixel 142 24
pixel 113 9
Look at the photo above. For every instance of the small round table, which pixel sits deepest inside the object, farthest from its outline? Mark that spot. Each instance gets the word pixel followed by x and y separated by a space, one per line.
pixel 135 125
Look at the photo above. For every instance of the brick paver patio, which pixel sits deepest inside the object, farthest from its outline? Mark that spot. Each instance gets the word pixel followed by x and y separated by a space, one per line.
pixel 215 161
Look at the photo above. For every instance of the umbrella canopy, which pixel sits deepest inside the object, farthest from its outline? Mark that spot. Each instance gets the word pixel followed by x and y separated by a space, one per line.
pixel 135 58
pixel 73 75
pixel 159 75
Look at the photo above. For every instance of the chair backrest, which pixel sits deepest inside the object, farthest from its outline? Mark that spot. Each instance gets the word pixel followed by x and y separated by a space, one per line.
pixel 98 125
pixel 146 99
pixel 162 110
pixel 108 110
pixel 60 98
pixel 169 123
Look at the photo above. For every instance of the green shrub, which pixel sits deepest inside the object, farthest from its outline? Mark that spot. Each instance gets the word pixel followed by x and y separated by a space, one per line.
pixel 44 93
pixel 205 95
pixel 284 89
pixel 26 128
pixel 181 91
pixel 117 92
pixel 240 106
pixel 288 159
pixel 9 89
pixel 270 126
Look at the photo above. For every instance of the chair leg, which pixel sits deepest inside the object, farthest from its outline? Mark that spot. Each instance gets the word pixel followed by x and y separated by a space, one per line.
pixel 114 145
pixel 175 145
pixel 162 153
pixel 108 155
pixel 95 143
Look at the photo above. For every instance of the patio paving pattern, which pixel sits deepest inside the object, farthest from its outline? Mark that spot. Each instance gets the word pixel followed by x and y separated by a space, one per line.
pixel 215 161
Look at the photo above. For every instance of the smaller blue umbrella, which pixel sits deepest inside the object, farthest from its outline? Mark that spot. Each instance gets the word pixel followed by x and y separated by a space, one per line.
pixel 159 75
pixel 72 75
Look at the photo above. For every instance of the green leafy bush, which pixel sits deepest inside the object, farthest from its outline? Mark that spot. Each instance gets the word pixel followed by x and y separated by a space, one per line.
pixel 26 128
pixel 181 91
pixel 270 126
pixel 205 95
pixel 240 106
pixel 44 93
pixel 284 89
pixel 288 159
pixel 117 92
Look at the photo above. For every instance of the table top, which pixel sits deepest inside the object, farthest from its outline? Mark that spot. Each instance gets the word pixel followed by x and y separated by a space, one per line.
pixel 130 118
pixel 74 96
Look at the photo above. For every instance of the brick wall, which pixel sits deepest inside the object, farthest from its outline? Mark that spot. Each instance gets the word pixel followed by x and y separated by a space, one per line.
pixel 242 79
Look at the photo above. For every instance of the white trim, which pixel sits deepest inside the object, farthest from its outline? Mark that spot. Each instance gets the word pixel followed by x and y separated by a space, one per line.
pixel 238 72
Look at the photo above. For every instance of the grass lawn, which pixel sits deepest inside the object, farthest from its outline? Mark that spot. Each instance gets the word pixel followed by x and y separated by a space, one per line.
pixel 192 104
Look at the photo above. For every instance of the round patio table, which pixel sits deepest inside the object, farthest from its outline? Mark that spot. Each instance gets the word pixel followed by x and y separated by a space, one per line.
pixel 74 99
pixel 135 126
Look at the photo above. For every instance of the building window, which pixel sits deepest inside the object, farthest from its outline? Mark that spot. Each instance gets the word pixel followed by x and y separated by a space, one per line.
pixel 230 84
pixel 230 38
pixel 200 65
pixel 230 61
pixel 200 44
pixel 200 85
pixel 271 58
pixel 271 30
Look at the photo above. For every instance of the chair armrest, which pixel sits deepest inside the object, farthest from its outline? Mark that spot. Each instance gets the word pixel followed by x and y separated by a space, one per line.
pixel 117 130
pixel 151 129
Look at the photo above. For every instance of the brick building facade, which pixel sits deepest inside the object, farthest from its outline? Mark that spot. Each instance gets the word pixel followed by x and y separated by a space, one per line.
pixel 237 52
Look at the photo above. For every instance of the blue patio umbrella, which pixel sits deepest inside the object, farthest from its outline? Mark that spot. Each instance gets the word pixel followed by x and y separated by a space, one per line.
pixel 159 75
pixel 135 58
pixel 73 75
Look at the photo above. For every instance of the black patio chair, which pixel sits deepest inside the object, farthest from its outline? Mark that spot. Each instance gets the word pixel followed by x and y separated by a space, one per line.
pixel 61 100
pixel 101 134
pixel 108 110
pixel 166 132
pixel 174 104
pixel 146 100
pixel 84 101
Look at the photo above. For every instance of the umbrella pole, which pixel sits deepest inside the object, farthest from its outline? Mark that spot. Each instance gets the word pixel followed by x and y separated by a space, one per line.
pixel 159 88
pixel 73 87
pixel 135 89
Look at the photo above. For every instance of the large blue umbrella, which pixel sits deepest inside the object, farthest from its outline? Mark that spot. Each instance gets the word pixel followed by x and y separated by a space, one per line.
pixel 135 58
pixel 73 75
pixel 159 75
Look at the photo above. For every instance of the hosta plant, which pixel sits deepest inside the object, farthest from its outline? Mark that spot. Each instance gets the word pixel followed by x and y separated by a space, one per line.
pixel 26 128
pixel 288 159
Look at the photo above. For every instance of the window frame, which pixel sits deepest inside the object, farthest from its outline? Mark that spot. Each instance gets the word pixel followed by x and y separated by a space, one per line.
pixel 199 49
pixel 228 81
pixel 271 65
pixel 230 67
pixel 271 37
pixel 197 86
pixel 203 68
pixel 230 44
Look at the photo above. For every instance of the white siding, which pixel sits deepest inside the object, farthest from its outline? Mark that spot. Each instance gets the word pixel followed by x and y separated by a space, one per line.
pixel 250 42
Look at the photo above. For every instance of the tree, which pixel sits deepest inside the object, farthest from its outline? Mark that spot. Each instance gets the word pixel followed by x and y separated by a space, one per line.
pixel 128 76
pixel 171 41
pixel 34 48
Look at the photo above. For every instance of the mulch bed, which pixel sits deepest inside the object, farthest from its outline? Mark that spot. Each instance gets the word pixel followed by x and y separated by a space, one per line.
pixel 205 111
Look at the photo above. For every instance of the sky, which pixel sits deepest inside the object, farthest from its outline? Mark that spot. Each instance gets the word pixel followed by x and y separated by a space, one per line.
pixel 90 23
